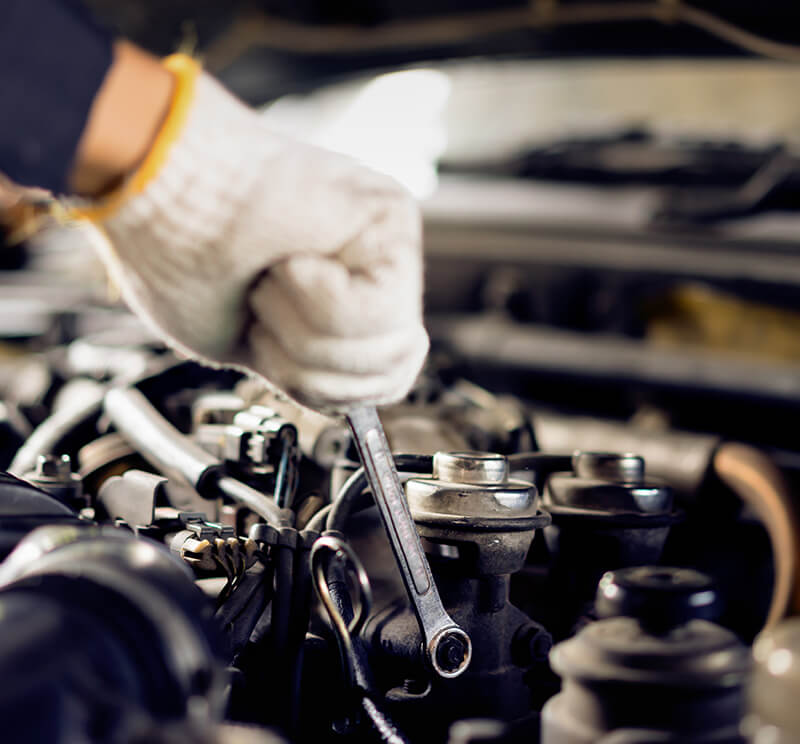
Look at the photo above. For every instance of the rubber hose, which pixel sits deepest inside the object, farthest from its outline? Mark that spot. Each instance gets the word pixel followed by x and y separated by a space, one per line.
pixel 357 482
pixel 752 476
pixel 177 456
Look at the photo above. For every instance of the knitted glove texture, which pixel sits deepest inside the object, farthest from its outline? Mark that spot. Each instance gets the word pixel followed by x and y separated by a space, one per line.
pixel 299 264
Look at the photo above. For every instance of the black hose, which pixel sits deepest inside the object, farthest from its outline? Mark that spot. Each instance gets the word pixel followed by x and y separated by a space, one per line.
pixel 298 626
pixel 362 677
pixel 280 623
pixel 317 522
pixel 361 502
pixel 350 492
pixel 177 456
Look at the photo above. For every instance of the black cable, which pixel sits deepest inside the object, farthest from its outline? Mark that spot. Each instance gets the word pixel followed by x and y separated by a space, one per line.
pixel 345 502
pixel 354 650
pixel 298 626
pixel 280 626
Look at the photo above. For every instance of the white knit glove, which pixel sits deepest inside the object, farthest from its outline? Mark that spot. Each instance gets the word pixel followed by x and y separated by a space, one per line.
pixel 294 262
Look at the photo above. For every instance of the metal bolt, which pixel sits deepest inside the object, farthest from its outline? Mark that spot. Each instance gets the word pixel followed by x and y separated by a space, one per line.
pixel 54 467
pixel 451 653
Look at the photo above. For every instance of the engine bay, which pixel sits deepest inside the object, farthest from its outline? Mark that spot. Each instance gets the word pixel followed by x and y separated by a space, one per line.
pixel 188 553
pixel 584 526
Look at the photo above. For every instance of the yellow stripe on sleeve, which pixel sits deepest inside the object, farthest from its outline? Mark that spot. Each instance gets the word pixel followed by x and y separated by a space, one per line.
pixel 186 70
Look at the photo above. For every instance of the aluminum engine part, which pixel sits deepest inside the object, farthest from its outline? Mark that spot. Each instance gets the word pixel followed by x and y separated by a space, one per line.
pixel 682 458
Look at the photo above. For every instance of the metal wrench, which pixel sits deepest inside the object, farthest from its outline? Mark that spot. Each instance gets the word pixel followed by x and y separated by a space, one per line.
pixel 447 647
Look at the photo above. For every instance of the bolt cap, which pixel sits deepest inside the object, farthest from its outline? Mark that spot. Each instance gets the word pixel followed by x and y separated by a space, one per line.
pixel 470 467
pixel 661 599
pixel 609 466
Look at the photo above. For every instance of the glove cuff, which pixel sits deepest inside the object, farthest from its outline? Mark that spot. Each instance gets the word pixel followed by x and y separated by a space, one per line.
pixel 185 71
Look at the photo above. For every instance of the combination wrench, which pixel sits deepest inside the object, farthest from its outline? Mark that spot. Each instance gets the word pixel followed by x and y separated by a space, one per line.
pixel 448 648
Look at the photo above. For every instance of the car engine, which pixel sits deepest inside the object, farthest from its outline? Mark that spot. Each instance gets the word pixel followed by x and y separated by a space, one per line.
pixel 189 554
pixel 588 529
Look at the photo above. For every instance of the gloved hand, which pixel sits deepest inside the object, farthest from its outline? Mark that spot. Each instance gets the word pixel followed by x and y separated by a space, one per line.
pixel 244 247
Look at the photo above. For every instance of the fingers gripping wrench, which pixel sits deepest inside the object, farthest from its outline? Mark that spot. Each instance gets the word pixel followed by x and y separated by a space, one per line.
pixel 447 647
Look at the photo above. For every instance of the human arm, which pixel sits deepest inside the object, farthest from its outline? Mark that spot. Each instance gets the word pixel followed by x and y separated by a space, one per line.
pixel 247 248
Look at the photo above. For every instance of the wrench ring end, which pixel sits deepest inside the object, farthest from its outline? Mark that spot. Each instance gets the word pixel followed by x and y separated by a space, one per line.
pixel 450 652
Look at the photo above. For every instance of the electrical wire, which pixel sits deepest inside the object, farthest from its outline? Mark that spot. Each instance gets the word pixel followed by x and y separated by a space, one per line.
pixel 348 495
pixel 325 551
pixel 260 29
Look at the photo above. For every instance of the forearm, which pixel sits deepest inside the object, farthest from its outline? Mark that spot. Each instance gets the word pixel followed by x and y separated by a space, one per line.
pixel 123 122
pixel 234 243
pixel 79 111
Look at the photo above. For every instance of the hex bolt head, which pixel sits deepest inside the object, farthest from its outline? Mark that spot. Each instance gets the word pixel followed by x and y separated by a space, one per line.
pixel 451 653
pixel 470 467
pixel 54 467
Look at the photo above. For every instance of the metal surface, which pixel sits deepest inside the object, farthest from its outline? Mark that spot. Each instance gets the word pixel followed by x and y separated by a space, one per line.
pixel 775 685
pixel 606 484
pixel 609 466
pixel 54 466
pixel 470 467
pixel 476 532
pixel 448 648
pixel 53 473
pixel 681 458
pixel 660 598
pixel 615 521
pixel 495 519
pixel 497 342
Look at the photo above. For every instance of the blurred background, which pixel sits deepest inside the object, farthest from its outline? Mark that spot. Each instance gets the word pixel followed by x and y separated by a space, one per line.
pixel 610 189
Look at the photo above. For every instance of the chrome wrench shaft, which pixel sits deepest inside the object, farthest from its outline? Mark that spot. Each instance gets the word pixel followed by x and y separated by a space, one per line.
pixel 448 648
